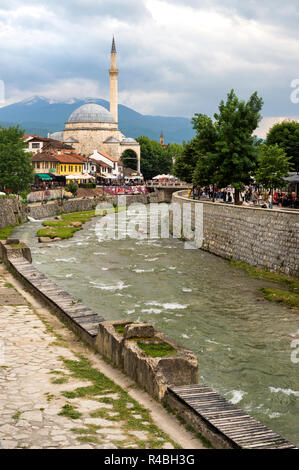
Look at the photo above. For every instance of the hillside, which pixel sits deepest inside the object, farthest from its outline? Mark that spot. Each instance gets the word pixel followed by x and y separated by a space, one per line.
pixel 40 115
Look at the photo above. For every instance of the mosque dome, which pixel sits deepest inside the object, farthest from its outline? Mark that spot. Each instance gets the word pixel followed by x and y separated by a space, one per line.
pixel 91 112
pixel 129 140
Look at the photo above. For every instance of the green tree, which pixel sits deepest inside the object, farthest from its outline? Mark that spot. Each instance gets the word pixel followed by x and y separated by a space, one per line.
pixel 224 151
pixel 236 145
pixel 16 170
pixel 173 152
pixel 286 135
pixel 205 172
pixel 154 158
pixel 72 187
pixel 273 166
pixel 186 162
pixel 129 159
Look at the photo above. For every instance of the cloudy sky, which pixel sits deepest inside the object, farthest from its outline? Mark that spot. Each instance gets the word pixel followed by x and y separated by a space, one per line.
pixel 175 57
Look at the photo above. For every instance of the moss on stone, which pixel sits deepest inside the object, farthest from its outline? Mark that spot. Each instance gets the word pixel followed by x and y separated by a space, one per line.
pixel 154 349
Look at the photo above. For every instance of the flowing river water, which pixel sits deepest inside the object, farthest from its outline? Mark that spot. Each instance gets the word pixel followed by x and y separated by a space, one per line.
pixel 242 341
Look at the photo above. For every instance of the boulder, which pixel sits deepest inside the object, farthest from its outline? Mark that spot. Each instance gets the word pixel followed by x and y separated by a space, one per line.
pixel 45 240
pixel 76 224
pixel 139 330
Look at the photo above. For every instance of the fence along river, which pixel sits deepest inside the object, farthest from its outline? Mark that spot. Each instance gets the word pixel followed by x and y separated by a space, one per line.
pixel 243 342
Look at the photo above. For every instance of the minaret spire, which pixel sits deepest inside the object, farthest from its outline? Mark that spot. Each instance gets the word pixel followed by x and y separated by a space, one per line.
pixel 113 48
pixel 113 72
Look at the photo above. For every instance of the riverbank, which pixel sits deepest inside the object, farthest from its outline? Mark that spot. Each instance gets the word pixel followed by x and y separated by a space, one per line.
pixel 66 226
pixel 194 297
pixel 57 393
pixel 289 296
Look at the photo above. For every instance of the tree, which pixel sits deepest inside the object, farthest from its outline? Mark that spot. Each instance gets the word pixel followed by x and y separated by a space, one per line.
pixel 273 166
pixel 205 172
pixel 129 159
pixel 186 162
pixel 286 135
pixel 16 170
pixel 224 151
pixel 236 145
pixel 173 152
pixel 72 187
pixel 154 158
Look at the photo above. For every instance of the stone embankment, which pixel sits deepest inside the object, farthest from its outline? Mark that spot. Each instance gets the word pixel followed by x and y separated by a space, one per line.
pixel 260 237
pixel 12 212
pixel 56 393
pixel 172 377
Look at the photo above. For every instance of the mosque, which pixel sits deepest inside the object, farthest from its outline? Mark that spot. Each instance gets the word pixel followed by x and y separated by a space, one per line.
pixel 92 128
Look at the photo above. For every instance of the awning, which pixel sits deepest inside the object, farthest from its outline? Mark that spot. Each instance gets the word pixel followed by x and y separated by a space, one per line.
pixel 293 178
pixel 43 176
pixel 74 177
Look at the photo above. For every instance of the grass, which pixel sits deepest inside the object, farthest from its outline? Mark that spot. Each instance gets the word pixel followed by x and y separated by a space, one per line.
pixel 17 415
pixel 101 386
pixel 6 232
pixel 60 380
pixel 8 285
pixel 291 282
pixel 70 412
pixel 120 329
pixel 282 296
pixel 156 349
pixel 61 228
pixel 289 297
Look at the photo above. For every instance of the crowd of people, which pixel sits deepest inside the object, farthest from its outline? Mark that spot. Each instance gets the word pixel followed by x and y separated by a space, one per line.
pixel 250 195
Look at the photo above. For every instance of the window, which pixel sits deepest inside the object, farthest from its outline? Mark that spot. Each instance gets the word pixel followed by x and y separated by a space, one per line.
pixel 36 145
pixel 37 165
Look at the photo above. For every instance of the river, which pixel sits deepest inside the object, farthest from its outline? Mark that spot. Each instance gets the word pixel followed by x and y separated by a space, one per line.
pixel 242 341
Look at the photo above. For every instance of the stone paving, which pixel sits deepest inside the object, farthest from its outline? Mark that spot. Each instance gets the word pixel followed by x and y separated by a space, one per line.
pixel 52 397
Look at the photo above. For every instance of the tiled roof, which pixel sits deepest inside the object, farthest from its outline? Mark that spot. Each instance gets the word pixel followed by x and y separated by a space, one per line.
pixel 99 163
pixel 107 156
pixel 43 157
pixel 70 159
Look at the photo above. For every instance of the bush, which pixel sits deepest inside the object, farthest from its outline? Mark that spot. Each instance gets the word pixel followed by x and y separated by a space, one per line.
pixel 72 188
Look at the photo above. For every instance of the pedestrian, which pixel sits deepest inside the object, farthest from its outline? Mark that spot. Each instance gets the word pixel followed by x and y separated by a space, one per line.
pixel 270 205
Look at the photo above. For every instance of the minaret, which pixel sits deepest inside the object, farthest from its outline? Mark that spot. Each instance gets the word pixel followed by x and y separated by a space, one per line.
pixel 162 138
pixel 113 72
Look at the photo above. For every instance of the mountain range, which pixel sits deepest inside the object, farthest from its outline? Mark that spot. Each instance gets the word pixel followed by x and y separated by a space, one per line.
pixel 40 115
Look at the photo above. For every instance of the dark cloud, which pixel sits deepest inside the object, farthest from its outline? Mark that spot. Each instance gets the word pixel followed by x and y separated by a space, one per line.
pixel 167 66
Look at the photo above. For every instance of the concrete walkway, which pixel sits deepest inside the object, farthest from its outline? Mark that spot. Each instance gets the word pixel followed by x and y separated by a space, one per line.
pixel 56 393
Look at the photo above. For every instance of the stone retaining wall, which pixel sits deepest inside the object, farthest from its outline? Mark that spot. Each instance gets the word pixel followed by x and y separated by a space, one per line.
pixel 51 209
pixel 11 212
pixel 260 237
pixel 154 374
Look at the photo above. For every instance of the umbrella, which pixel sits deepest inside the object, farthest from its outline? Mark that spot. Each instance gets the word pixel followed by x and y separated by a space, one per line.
pixel 293 178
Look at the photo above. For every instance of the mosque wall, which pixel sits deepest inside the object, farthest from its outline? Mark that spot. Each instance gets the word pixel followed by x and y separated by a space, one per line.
pixel 92 139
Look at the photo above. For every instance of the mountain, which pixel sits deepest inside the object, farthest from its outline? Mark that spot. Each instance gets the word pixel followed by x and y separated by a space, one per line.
pixel 41 115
